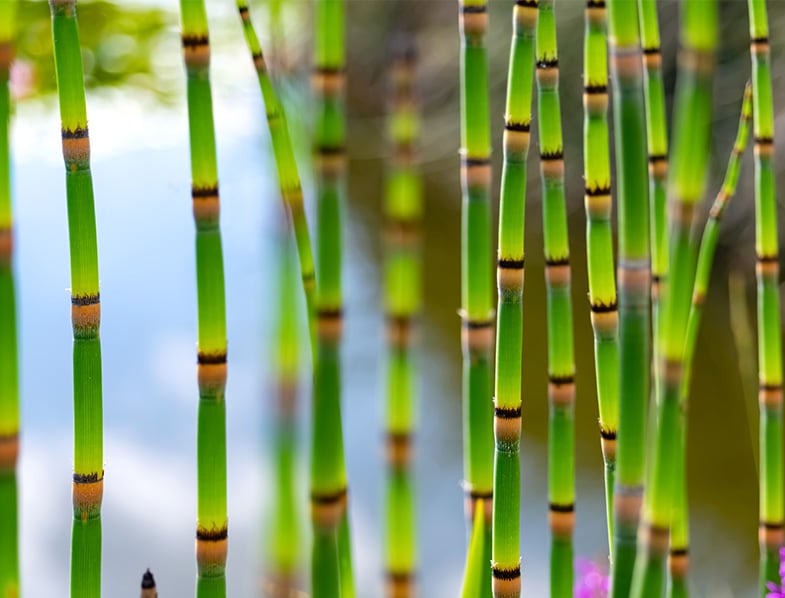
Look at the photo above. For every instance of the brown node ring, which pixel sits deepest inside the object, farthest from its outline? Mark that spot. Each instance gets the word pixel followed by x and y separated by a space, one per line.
pixel 400 584
pixel 6 245
pixel 770 395
pixel 477 335
pixel 328 82
pixel 328 508
pixel 211 371
pixel 507 424
pixel 196 51
pixel 76 146
pixel 506 582
pixel 87 493
pixel 471 497
pixel 9 452
pixel 679 563
pixel 561 519
pixel 627 502
pixel 474 21
pixel 398 447
pixel 329 324
pixel 476 172
pixel 211 550
pixel 771 535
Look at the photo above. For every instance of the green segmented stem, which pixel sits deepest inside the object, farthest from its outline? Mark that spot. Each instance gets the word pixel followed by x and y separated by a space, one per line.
pixel 402 303
pixel 9 366
pixel 633 285
pixel 599 241
pixel 285 164
pixel 211 524
pixel 476 290
pixel 474 574
pixel 285 545
pixel 328 470
pixel 85 305
pixel 506 558
pixel 772 494
pixel 657 146
pixel 691 153
pixel 561 361
pixel 678 559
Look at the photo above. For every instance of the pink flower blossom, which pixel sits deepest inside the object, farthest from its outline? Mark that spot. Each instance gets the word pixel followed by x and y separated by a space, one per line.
pixel 592 580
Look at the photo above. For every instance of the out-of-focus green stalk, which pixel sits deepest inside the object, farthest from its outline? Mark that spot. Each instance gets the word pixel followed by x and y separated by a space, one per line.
pixel 476 290
pixel 633 278
pixel 85 305
pixel 692 126
pixel 772 492
pixel 212 522
pixel 9 367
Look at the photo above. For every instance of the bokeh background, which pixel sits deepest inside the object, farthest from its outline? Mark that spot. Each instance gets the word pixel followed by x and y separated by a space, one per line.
pixel 138 125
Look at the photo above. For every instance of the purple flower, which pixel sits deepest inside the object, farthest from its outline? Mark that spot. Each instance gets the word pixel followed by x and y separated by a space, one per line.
pixel 778 591
pixel 592 580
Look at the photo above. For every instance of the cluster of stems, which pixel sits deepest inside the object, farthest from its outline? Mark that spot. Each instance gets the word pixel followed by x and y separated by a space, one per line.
pixel 599 240
pixel 9 369
pixel 561 361
pixel 87 488
pixel 331 573
pixel 772 493
pixel 402 301
pixel 506 562
pixel 476 284
pixel 212 522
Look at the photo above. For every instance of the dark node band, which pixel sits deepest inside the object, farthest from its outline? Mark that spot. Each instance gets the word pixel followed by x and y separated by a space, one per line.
pixel 597 191
pixel 477 324
pixel 507 412
pixel 679 551
pixel 770 387
pixel 557 508
pixel 516 126
pixel 561 380
pixel 148 581
pixel 88 478
pixel 595 4
pixel 243 10
pixel 329 313
pixel 77 133
pixel 603 308
pixel 470 162
pixel 215 534
pixel 211 358
pixel 767 259
pixel 548 63
pixel 400 577
pixel 328 498
pixel 772 525
pixel 328 70
pixel 506 573
pixel 84 300
pixel 651 51
pixel 527 3
pixel 595 89
pixel 657 158
pixel 764 140
pixel 551 262
pixel 309 276
pixel 510 264
pixel 474 9
pixel 204 192
pixel 330 150
pixel 552 156
pixel 759 40
pixel 607 434
pixel 196 41
pixel 257 56
pixel 656 278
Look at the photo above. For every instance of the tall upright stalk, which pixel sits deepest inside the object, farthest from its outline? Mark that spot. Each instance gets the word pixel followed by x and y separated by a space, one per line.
pixel 599 241
pixel 88 477
pixel 148 586
pixel 285 164
pixel 476 291
pixel 691 153
pixel 506 559
pixel 212 522
pixel 633 278
pixel 678 559
pixel 561 361
pixel 332 547
pixel 9 367
pixel 772 494
pixel 402 302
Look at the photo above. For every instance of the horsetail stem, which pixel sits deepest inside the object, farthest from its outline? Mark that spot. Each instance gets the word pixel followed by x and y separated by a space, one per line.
pixel 657 146
pixel 402 303
pixel 561 361
pixel 9 366
pixel 506 558
pixel 85 305
pixel 476 291
pixel 211 528
pixel 691 152
pixel 633 285
pixel 148 586
pixel 474 573
pixel 285 164
pixel 678 560
pixel 599 241
pixel 771 531
pixel 329 512
pixel 285 545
